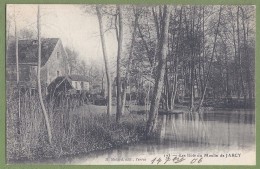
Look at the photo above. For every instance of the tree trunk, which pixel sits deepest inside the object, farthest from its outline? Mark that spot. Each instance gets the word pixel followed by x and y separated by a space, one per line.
pixel 228 93
pixel 192 84
pixel 176 63
pixel 17 75
pixel 161 53
pixel 249 78
pixel 166 89
pixel 39 80
pixel 236 81
pixel 203 53
pixel 129 64
pixel 109 91
pixel 102 85
pixel 211 59
pixel 174 93
pixel 192 64
pixel 239 57
pixel 118 71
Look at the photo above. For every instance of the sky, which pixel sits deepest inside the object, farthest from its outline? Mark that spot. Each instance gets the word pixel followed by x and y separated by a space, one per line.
pixel 77 29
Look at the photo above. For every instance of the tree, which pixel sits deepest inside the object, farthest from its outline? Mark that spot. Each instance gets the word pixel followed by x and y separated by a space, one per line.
pixel 72 60
pixel 26 34
pixel 130 58
pixel 47 123
pixel 246 53
pixel 17 74
pixel 174 55
pixel 118 67
pixel 160 71
pixel 239 55
pixel 107 70
pixel 211 59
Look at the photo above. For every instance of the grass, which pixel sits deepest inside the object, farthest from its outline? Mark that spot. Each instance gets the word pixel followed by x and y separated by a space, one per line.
pixel 74 131
pixel 80 130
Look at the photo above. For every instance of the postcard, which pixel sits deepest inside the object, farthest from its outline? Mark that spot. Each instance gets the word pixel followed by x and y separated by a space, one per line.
pixel 130 84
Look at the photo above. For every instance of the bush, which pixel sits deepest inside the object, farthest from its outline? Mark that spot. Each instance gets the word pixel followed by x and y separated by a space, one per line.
pixel 72 133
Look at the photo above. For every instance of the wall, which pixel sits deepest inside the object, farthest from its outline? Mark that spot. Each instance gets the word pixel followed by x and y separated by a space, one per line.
pixel 78 86
pixel 28 72
pixel 24 72
pixel 55 64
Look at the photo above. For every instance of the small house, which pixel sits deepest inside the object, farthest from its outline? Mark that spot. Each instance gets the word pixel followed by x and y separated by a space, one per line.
pixel 79 82
pixel 73 83
pixel 73 87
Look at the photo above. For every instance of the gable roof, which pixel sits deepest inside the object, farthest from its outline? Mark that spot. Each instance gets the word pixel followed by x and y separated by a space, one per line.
pixel 57 84
pixel 78 78
pixel 28 50
pixel 60 81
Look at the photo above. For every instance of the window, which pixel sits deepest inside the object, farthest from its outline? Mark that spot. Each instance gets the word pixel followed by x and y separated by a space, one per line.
pixel 58 73
pixel 58 55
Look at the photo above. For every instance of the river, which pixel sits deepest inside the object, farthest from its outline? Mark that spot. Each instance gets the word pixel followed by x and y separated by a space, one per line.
pixel 210 134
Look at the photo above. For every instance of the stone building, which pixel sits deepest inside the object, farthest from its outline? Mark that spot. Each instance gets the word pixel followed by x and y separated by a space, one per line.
pixel 53 62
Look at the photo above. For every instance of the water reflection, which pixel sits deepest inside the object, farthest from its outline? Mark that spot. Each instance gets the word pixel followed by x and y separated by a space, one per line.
pixel 211 131
pixel 217 129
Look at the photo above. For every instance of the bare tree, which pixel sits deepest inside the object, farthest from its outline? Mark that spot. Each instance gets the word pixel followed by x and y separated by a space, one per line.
pixel 107 70
pixel 129 62
pixel 17 73
pixel 211 59
pixel 248 74
pixel 161 53
pixel 239 55
pixel 118 67
pixel 47 123
pixel 72 60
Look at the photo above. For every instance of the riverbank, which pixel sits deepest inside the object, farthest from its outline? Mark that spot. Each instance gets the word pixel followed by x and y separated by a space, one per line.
pixel 81 130
pixel 73 133
pixel 218 131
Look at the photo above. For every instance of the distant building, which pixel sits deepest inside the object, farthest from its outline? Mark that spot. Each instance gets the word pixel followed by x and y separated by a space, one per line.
pixel 79 82
pixel 70 83
pixel 53 62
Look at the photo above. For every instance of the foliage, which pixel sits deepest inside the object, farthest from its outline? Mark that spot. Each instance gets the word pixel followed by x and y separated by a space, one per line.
pixel 72 133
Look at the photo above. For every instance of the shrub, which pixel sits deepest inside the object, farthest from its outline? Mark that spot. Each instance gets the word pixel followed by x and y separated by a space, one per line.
pixel 73 133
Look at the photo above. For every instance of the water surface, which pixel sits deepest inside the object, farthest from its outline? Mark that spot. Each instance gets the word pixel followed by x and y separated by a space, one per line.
pixel 212 131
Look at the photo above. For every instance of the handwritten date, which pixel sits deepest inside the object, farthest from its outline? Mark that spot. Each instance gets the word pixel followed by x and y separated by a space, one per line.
pixel 174 159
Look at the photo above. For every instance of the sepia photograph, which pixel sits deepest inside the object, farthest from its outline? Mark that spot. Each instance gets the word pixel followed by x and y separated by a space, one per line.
pixel 130 84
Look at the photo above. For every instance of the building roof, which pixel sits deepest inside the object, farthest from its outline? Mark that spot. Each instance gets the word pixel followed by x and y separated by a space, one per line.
pixel 28 50
pixel 64 81
pixel 58 84
pixel 69 78
pixel 78 78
